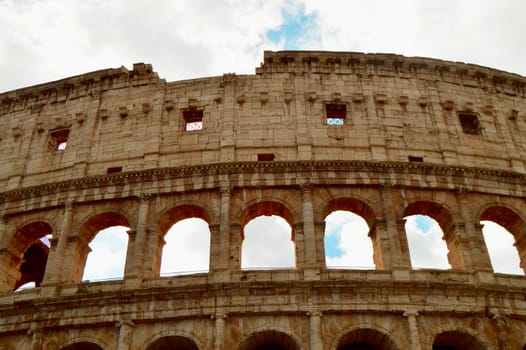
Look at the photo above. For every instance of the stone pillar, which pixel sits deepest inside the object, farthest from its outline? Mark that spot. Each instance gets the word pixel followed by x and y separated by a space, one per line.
pixel 9 270
pixel 315 331
pixel 37 338
pixel 55 267
pixel 468 249
pixel 125 334
pixel 219 330
pixel 308 227
pixel 414 337
pixel 394 254
pixel 137 244
pixel 220 243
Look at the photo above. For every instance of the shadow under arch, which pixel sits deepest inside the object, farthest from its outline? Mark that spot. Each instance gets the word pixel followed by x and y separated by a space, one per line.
pixel 443 217
pixel 269 340
pixel 456 340
pixel 181 212
pixel 173 342
pixel 82 346
pixel 366 339
pixel 353 205
pixel 266 208
pixel 513 223
pixel 25 257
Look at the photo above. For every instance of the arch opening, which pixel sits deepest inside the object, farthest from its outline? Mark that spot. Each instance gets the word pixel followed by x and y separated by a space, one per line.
pixel 347 242
pixel 82 346
pixel 269 340
pixel 107 258
pixel 366 339
pixel 504 233
pixel 427 247
pixel 187 248
pixel 173 342
pixel 267 244
pixel 454 340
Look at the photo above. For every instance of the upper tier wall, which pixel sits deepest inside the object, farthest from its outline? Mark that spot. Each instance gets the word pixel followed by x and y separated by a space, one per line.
pixel 395 108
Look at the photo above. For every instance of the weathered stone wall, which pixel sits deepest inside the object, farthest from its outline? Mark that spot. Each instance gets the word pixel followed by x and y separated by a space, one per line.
pixel 266 147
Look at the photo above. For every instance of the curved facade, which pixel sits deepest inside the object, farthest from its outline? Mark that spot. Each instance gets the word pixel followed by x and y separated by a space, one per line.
pixel 382 136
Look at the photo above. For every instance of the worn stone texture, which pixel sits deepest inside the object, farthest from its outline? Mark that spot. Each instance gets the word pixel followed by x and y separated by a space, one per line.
pixel 418 136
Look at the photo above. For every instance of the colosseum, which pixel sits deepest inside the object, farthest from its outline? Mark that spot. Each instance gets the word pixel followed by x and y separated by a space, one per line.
pixel 380 135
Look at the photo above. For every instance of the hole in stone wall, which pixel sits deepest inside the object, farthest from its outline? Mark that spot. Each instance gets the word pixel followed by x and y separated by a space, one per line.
pixel 193 119
pixel 427 247
pixel 469 122
pixel 115 169
pixel 265 157
pixel 415 159
pixel 335 113
pixel 58 139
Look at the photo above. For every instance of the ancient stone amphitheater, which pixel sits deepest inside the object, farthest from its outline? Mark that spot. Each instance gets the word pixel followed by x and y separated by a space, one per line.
pixel 382 136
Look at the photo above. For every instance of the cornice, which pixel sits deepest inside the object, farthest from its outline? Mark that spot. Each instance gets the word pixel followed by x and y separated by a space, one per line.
pixel 308 168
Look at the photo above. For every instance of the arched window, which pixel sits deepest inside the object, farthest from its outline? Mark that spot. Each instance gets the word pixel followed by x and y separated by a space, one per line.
pixel 269 340
pixel 504 232
pixel 173 342
pixel 425 239
pixel 267 244
pixel 107 258
pixel 366 339
pixel 347 242
pixel 454 340
pixel 82 346
pixel 187 248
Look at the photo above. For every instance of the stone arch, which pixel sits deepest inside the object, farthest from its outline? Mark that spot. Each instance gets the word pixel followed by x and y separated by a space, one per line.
pixel 365 339
pixel 457 340
pixel 361 209
pixel 173 342
pixel 276 214
pixel 270 339
pixel 89 228
pixel 173 216
pixel 25 256
pixel 512 221
pixel 83 345
pixel 179 334
pixel 442 215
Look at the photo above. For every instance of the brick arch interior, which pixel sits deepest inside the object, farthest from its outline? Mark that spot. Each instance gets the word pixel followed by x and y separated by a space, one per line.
pixel 25 258
pixel 181 212
pixel 512 222
pixel 82 346
pixel 266 208
pixel 446 222
pixel 354 205
pixel 269 340
pixel 454 340
pixel 366 339
pixel 173 342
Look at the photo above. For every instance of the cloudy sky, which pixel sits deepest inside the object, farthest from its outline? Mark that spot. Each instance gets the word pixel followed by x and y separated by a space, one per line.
pixel 46 40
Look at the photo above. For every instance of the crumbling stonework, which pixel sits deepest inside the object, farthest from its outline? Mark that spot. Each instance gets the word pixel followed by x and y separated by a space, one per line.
pixel 383 136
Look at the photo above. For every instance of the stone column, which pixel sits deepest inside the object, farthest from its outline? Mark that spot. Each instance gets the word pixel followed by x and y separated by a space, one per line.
pixel 468 242
pixel 308 227
pixel 315 331
pixel 414 337
pixel 55 266
pixel 37 338
pixel 219 341
pixel 220 244
pixel 387 232
pixel 137 244
pixel 125 334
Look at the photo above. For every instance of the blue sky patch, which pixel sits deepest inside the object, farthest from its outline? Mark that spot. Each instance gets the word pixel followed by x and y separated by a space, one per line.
pixel 294 31
pixel 424 222
pixel 332 240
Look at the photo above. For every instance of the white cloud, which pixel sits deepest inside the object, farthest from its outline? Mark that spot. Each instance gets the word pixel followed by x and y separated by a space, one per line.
pixel 427 249
pixel 267 244
pixel 108 254
pixel 187 248
pixel 349 232
pixel 503 254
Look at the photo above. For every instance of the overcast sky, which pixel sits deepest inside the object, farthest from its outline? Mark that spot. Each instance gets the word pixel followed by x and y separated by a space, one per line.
pixel 48 40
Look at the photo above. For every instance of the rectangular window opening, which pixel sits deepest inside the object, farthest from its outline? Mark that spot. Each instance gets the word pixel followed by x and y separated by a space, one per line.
pixel 416 159
pixel 58 139
pixel 193 119
pixel 265 157
pixel 114 169
pixel 335 113
pixel 469 122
